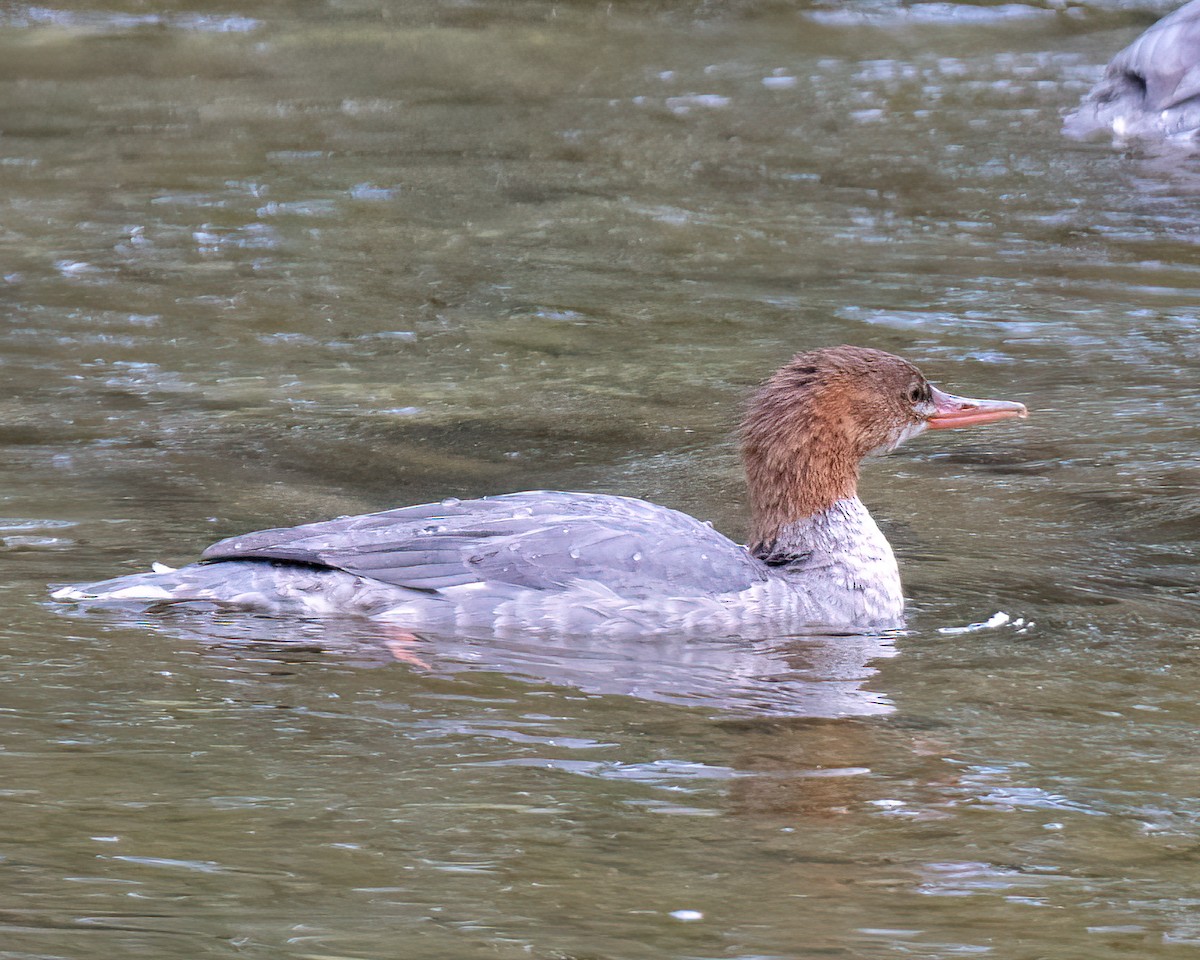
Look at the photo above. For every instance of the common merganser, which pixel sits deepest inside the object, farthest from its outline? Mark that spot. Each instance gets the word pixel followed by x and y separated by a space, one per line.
pixel 1151 89
pixel 608 565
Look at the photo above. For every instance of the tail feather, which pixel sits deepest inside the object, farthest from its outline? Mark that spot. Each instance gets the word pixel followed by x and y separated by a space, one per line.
pixel 266 586
pixel 136 586
pixel 243 583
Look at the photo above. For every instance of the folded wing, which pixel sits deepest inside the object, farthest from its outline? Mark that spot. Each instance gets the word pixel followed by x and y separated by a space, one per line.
pixel 540 540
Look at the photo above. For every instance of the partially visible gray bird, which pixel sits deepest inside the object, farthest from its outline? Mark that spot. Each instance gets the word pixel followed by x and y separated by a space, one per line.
pixel 1151 89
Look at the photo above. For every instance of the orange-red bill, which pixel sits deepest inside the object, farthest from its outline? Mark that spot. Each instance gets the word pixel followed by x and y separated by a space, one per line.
pixel 951 411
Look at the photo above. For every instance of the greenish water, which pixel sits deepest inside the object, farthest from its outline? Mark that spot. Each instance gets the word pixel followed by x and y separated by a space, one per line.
pixel 267 264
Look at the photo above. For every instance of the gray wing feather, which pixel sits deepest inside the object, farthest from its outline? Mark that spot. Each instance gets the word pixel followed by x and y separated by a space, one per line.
pixel 540 540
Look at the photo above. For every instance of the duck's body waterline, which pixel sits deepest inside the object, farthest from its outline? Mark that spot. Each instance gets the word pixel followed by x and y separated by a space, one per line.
pixel 596 564
pixel 677 574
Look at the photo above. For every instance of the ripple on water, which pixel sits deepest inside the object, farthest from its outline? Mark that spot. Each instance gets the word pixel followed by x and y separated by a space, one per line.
pixel 887 16
pixel 98 21
pixel 22 534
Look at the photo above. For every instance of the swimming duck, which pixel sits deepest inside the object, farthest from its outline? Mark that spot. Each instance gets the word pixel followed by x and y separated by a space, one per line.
pixel 598 564
pixel 1151 89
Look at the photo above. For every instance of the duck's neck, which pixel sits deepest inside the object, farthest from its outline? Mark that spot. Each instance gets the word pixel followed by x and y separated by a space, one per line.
pixel 793 482
pixel 810 526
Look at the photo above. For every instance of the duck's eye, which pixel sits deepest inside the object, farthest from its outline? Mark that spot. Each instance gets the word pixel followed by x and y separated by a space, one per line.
pixel 916 394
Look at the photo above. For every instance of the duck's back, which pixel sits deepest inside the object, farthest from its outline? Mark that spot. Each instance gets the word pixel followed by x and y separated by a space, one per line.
pixel 540 540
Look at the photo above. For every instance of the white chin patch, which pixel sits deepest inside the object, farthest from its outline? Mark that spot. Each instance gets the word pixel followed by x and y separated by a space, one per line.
pixel 910 430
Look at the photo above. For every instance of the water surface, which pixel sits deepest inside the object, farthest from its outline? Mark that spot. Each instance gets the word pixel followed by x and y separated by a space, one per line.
pixel 274 263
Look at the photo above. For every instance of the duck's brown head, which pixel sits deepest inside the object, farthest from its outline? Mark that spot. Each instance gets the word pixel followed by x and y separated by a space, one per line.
pixel 808 427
